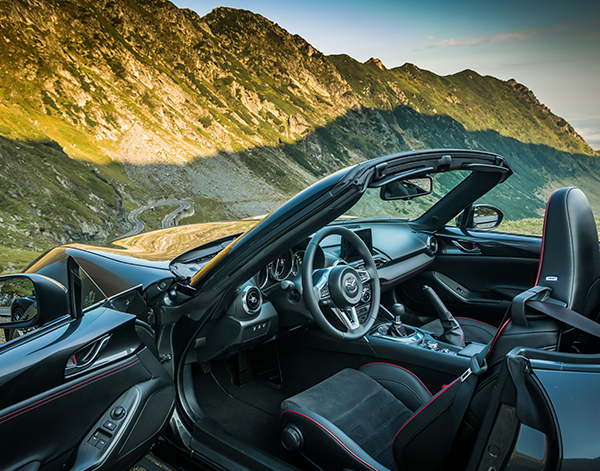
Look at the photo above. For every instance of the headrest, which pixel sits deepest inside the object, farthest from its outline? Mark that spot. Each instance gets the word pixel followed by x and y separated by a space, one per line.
pixel 570 258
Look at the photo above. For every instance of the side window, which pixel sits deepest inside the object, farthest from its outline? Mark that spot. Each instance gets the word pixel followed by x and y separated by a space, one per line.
pixel 91 293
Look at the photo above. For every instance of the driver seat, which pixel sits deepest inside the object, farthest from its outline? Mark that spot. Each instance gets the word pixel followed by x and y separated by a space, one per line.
pixel 378 418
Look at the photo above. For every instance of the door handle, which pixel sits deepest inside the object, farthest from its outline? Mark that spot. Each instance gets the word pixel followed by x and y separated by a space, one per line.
pixel 85 357
pixel 466 246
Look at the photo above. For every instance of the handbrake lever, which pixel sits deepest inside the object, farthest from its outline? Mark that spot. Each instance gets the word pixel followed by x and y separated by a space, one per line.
pixel 453 333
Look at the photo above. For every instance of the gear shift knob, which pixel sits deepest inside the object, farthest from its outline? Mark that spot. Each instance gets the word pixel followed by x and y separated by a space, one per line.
pixel 397 329
pixel 398 310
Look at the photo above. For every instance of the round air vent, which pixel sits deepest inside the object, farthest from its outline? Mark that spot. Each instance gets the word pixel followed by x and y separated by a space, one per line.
pixel 251 300
pixel 432 245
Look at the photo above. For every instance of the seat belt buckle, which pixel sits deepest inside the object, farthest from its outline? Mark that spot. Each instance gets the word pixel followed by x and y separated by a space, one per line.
pixel 465 375
pixel 474 369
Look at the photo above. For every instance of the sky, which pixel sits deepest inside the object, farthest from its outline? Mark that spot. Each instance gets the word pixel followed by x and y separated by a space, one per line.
pixel 552 47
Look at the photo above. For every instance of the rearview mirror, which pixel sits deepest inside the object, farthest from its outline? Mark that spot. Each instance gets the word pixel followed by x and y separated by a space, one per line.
pixel 406 189
pixel 29 300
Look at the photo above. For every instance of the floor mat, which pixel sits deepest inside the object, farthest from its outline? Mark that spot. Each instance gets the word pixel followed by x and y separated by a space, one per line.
pixel 249 412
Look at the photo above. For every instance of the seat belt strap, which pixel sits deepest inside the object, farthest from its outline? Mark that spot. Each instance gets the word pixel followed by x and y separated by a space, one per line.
pixel 566 315
pixel 466 389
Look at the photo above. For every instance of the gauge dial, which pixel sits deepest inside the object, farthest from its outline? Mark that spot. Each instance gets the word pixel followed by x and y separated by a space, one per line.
pixel 262 277
pixel 280 268
pixel 297 263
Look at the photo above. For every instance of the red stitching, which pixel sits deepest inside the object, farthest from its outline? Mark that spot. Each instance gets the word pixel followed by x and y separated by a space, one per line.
pixel 69 390
pixel 407 273
pixel 397 366
pixel 496 338
pixel 333 436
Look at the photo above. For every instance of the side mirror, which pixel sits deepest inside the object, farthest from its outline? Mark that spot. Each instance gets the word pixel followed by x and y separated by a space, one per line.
pixel 483 217
pixel 30 300
pixel 406 189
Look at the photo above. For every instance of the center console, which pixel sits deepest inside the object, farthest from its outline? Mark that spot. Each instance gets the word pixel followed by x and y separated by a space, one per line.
pixel 422 348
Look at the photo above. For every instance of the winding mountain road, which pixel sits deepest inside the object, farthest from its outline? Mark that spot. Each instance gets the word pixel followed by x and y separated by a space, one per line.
pixel 138 226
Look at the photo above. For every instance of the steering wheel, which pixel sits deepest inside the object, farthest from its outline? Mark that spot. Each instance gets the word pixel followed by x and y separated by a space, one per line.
pixel 340 287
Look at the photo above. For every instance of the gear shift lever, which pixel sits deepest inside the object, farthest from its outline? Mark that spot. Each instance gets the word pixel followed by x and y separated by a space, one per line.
pixel 397 329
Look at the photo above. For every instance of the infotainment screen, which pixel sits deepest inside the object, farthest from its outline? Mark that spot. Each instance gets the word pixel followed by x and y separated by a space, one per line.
pixel 349 252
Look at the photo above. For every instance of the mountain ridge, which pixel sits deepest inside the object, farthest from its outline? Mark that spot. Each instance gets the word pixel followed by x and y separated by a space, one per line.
pixel 148 101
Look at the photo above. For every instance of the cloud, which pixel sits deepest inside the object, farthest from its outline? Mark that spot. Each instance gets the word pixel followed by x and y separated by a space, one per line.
pixel 518 36
pixel 590 35
pixel 591 136
pixel 511 36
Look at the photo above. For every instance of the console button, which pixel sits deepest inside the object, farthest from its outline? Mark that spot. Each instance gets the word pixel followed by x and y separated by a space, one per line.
pixel 101 443
pixel 108 425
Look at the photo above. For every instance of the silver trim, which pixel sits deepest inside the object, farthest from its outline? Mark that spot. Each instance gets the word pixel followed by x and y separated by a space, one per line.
pixel 415 338
pixel 322 286
pixel 432 244
pixel 245 300
pixel 348 317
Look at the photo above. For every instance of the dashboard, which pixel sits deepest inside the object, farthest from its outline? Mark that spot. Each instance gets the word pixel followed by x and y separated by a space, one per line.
pixel 272 302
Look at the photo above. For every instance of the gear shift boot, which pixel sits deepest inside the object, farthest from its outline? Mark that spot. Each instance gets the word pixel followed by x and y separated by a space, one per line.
pixel 453 333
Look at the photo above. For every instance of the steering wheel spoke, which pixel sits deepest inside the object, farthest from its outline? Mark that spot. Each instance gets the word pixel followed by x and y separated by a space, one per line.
pixel 365 277
pixel 349 317
pixel 321 285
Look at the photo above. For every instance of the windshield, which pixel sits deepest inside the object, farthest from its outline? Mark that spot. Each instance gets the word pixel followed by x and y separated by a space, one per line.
pixel 371 205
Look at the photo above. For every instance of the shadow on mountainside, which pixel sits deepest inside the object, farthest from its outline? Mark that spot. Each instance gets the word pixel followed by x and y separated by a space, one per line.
pixel 72 200
pixel 366 133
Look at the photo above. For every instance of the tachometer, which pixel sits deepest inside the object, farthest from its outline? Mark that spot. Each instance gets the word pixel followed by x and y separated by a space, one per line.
pixel 281 267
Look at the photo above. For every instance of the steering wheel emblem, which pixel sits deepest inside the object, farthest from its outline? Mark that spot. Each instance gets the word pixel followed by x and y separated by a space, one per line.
pixel 351 285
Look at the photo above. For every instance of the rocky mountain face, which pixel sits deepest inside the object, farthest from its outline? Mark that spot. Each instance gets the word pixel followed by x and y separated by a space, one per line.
pixel 105 106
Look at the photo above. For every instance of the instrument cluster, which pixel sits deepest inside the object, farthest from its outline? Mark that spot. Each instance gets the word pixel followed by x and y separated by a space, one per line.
pixel 287 265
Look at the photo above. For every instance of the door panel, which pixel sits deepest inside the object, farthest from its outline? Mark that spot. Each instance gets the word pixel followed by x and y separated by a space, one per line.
pixel 49 410
pixel 476 274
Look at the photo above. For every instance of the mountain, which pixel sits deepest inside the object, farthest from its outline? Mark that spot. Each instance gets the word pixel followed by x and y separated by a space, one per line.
pixel 109 105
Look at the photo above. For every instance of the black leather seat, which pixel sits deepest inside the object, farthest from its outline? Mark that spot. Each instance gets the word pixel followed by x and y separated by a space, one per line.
pixel 569 263
pixel 349 421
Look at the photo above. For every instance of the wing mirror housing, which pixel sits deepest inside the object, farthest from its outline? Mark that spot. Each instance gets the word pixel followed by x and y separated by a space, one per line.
pixel 406 189
pixel 30 300
pixel 482 217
